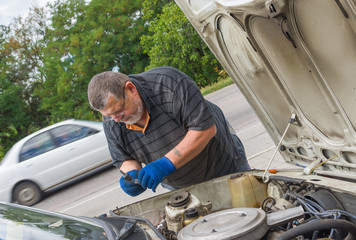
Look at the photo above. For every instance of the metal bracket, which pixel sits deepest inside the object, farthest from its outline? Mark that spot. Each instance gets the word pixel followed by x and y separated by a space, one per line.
pixel 274 7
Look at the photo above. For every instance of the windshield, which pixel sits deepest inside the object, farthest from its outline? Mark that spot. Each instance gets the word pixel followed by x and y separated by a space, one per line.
pixel 23 223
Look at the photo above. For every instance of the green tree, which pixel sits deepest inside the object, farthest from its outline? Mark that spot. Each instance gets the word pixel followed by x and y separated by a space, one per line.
pixel 173 41
pixel 20 57
pixel 86 39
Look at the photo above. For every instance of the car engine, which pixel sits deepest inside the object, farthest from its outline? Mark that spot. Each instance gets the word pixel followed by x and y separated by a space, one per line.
pixel 282 208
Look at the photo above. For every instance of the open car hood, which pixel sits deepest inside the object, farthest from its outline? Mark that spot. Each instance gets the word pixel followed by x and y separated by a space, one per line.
pixel 295 62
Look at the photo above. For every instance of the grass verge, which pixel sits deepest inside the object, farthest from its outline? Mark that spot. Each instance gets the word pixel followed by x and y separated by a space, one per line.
pixel 216 86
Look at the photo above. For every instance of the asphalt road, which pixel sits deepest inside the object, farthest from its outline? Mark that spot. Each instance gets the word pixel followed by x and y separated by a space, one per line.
pixel 100 193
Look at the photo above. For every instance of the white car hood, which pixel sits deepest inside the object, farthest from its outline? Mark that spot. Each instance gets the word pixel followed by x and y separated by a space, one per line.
pixel 291 58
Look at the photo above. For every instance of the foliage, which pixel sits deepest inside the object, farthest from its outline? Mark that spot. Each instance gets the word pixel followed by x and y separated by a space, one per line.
pixel 20 54
pixel 87 39
pixel 174 42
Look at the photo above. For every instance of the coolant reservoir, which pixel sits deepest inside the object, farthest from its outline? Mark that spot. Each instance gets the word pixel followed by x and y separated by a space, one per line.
pixel 246 191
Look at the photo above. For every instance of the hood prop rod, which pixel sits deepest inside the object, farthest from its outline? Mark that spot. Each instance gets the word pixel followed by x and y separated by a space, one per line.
pixel 291 120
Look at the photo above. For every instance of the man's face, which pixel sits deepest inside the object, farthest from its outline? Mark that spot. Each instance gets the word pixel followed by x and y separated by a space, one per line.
pixel 128 110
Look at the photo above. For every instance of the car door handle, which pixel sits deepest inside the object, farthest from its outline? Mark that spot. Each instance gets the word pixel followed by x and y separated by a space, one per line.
pixel 70 149
pixel 28 165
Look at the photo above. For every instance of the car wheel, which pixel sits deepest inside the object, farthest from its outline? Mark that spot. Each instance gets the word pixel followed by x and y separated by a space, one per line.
pixel 27 193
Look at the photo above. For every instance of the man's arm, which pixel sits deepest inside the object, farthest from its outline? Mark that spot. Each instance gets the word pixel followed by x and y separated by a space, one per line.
pixel 191 145
pixel 129 165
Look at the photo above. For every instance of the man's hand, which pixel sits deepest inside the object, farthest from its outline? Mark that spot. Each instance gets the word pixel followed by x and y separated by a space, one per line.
pixel 153 173
pixel 130 187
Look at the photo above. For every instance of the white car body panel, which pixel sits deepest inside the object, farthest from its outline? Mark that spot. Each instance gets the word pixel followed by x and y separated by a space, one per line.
pixel 56 166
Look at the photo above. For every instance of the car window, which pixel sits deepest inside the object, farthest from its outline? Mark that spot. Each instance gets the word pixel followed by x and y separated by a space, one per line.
pixel 37 145
pixel 70 133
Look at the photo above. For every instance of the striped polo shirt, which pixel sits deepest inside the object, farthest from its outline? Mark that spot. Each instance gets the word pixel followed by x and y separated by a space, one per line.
pixel 175 106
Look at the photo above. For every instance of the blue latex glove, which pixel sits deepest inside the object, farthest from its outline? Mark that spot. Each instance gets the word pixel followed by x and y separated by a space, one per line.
pixel 153 173
pixel 130 187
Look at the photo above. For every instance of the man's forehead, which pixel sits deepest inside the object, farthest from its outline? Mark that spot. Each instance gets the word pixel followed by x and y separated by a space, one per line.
pixel 112 103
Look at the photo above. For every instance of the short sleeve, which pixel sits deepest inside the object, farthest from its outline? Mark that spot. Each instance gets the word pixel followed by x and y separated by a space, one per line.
pixel 190 107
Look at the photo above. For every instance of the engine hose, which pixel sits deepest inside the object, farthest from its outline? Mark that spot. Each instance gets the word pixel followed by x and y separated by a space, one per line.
pixel 324 224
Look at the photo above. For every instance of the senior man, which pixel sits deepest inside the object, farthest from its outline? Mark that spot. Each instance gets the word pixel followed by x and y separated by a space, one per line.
pixel 160 119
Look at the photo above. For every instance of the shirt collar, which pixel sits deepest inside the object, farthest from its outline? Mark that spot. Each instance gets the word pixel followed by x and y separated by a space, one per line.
pixel 138 128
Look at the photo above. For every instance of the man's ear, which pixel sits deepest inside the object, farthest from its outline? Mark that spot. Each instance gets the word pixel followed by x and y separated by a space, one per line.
pixel 131 87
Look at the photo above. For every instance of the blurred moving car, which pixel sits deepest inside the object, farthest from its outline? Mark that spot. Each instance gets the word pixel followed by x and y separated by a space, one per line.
pixel 22 223
pixel 51 157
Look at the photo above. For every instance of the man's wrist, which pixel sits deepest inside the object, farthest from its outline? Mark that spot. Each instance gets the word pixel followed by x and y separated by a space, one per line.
pixel 168 165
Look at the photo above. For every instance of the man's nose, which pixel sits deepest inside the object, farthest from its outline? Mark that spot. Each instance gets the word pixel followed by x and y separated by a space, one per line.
pixel 120 115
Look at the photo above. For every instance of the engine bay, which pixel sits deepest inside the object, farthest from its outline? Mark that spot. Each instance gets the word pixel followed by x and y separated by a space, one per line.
pixel 242 206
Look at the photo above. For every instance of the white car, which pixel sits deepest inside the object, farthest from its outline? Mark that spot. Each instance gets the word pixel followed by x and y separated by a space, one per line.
pixel 50 157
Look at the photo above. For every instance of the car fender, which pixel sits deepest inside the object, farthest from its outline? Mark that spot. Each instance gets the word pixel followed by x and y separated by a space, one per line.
pixel 5 194
pixel 8 181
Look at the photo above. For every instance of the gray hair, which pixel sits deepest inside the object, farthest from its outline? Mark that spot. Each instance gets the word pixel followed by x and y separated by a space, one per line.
pixel 104 84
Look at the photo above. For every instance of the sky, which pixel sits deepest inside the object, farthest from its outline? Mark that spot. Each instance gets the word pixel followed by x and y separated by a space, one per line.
pixel 10 9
